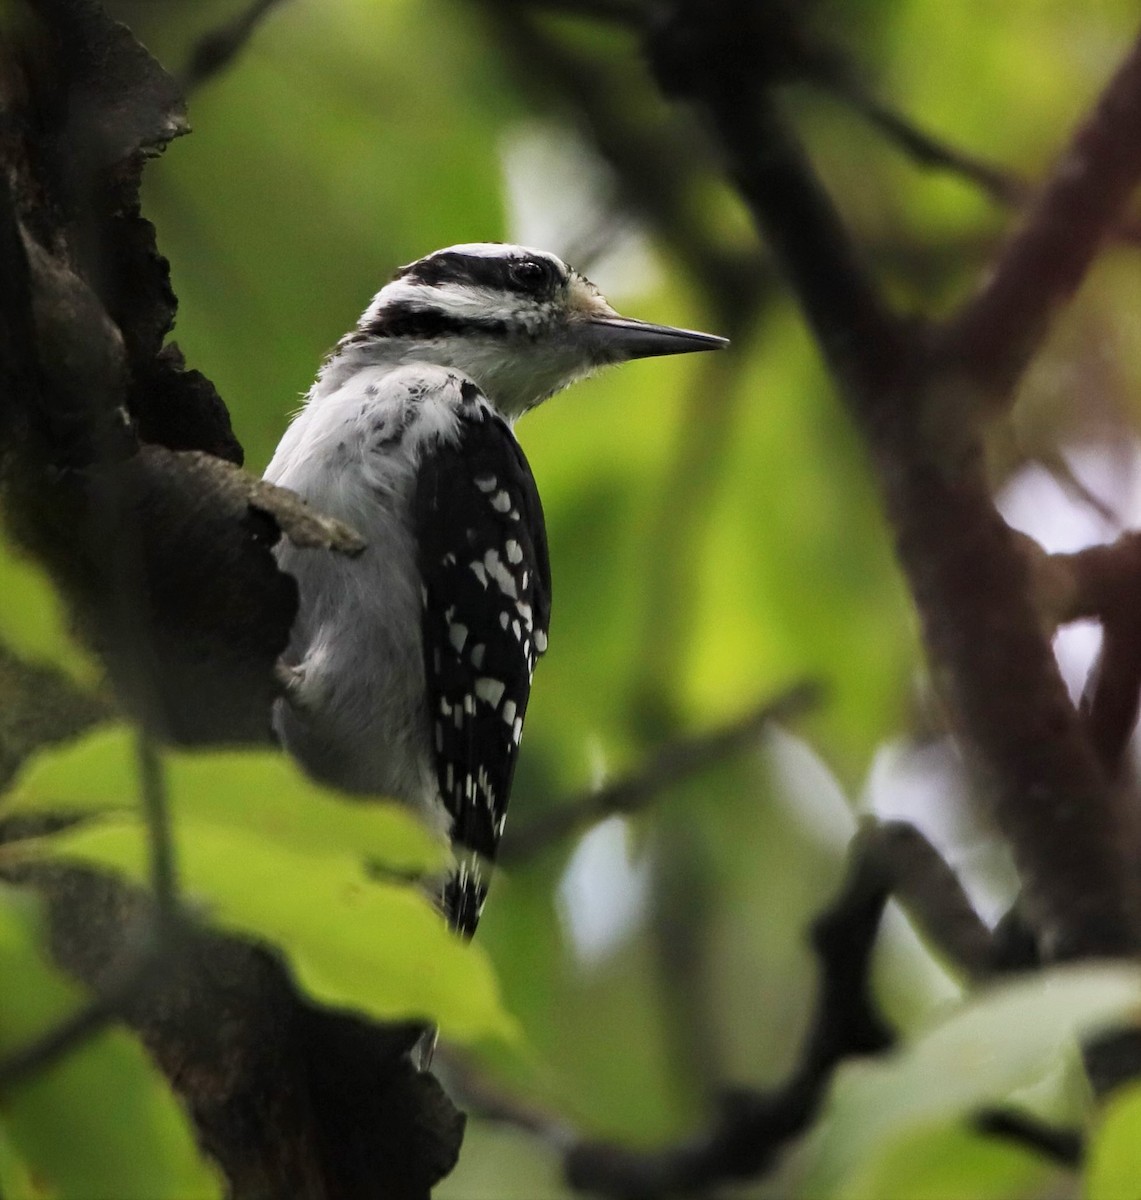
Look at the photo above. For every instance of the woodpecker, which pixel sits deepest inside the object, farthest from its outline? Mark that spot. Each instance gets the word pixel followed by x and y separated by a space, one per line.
pixel 410 666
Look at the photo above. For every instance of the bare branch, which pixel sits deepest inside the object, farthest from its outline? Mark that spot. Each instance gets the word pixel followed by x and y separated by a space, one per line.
pixel 995 336
pixel 1063 1146
pixel 750 1128
pixel 1103 583
pixel 216 50
pixel 674 762
pixel 971 585
pixel 60 1040
pixel 925 885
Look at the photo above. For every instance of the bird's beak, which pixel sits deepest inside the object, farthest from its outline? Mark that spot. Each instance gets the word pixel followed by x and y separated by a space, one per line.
pixel 618 339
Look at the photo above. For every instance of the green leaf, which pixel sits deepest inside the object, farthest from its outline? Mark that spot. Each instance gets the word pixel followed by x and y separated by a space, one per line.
pixel 1006 1038
pixel 16 1181
pixel 1114 1170
pixel 33 619
pixel 259 791
pixel 948 1162
pixel 350 941
pixel 100 1121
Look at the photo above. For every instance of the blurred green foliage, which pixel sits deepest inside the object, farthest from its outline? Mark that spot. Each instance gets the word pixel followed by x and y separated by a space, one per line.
pixel 353 926
pixel 101 1121
pixel 352 136
pixel 1115 1156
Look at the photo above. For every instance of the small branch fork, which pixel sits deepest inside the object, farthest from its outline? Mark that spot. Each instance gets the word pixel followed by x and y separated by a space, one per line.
pixel 674 762
pixel 751 1127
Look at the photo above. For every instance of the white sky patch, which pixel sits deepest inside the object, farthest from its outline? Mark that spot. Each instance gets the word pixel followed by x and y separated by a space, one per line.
pixel 808 789
pixel 603 895
pixel 559 198
pixel 1036 503
pixel 813 798
pixel 926 785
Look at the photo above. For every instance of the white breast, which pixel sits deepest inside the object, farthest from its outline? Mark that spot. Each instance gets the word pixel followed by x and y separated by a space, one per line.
pixel 353 453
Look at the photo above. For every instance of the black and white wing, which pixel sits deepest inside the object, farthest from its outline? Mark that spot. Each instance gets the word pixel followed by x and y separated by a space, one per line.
pixel 487 600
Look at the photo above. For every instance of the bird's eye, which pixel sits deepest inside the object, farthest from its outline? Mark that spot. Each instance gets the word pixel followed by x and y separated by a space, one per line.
pixel 529 274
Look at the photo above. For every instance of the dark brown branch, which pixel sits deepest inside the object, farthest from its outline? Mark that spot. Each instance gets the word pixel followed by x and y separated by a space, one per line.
pixel 216 50
pixel 712 58
pixel 657 168
pixel 1103 583
pixel 750 1128
pixel 971 585
pixel 673 763
pixel 994 338
pixel 926 886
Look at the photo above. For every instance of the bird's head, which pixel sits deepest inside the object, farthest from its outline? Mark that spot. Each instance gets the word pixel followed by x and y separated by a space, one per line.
pixel 520 322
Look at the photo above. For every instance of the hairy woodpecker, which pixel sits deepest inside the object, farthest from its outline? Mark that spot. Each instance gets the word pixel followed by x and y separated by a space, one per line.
pixel 411 665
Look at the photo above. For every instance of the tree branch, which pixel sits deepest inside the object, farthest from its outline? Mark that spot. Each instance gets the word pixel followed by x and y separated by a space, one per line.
pixel 1103 583
pixel 673 763
pixel 216 50
pixel 750 1127
pixel 1063 1146
pixel 988 653
pixel 994 337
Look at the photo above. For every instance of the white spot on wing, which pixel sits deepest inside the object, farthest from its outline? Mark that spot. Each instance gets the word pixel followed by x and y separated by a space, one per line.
pixel 540 641
pixel 514 551
pixel 501 502
pixel 500 574
pixel 509 712
pixel 490 690
pixel 457 635
pixel 486 483
pixel 480 572
pixel 477 654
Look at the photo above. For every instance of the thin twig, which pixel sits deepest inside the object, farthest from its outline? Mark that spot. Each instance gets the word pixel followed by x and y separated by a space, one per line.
pixel 674 762
pixel 61 1039
pixel 658 167
pixel 750 1127
pixel 1066 1147
pixel 157 820
pixel 925 885
pixel 90 1019
pixel 216 50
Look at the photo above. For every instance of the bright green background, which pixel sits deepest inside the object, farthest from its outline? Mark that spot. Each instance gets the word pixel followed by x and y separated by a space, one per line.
pixel 353 136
